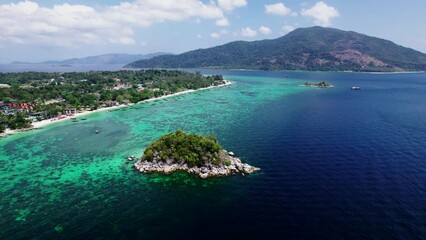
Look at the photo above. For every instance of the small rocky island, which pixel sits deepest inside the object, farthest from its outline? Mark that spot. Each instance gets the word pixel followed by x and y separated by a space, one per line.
pixel 319 85
pixel 200 155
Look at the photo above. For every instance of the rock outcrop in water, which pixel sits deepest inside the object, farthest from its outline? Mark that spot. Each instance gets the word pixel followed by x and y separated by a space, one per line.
pixel 191 153
pixel 318 85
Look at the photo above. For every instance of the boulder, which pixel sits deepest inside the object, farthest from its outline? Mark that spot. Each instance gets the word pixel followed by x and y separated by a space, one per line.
pixel 239 166
pixel 209 170
pixel 232 168
pixel 169 161
pixel 167 169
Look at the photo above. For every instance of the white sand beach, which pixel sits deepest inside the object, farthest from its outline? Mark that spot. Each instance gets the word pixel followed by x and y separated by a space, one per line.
pixel 44 123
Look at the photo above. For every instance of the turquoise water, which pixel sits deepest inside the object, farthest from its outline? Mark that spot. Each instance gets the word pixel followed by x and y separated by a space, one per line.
pixel 48 174
pixel 336 164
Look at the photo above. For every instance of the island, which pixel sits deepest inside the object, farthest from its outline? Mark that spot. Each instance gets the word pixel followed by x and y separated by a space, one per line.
pixel 319 85
pixel 32 99
pixel 304 49
pixel 195 154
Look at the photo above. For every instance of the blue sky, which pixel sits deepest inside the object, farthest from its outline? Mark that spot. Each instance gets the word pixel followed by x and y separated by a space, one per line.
pixel 39 30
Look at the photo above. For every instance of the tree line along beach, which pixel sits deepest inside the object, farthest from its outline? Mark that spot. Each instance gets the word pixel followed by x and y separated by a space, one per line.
pixel 34 100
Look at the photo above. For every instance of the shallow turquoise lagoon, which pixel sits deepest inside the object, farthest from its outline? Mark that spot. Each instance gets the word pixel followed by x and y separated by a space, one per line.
pixel 65 173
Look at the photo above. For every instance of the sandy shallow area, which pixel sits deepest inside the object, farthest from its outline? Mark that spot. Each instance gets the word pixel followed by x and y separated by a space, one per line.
pixel 44 123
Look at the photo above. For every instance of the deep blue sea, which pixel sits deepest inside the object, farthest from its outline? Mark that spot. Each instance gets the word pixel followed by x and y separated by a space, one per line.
pixel 335 164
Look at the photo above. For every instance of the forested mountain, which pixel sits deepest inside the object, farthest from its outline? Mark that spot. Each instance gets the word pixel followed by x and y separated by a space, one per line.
pixel 314 48
pixel 119 58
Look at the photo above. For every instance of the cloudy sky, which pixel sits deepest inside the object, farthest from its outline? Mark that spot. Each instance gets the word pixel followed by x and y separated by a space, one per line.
pixel 38 30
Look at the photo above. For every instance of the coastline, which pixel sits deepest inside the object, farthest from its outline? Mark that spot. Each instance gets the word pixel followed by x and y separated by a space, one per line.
pixel 235 166
pixel 395 72
pixel 44 123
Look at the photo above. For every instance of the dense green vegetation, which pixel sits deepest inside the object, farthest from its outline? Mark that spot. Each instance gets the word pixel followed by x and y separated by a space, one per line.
pixel 314 48
pixel 181 147
pixel 54 94
pixel 17 121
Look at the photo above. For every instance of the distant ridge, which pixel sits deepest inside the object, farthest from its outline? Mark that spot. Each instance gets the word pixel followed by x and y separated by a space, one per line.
pixel 119 58
pixel 314 48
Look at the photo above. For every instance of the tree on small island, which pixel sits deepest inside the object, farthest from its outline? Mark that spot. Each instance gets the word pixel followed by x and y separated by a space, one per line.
pixel 192 153
pixel 181 147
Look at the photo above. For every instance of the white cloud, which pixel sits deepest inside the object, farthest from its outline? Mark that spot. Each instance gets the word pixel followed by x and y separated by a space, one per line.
pixel 67 25
pixel 278 9
pixel 148 12
pixel 222 22
pixel 230 5
pixel 215 35
pixel 322 14
pixel 248 32
pixel 122 40
pixel 265 30
pixel 219 34
pixel 199 36
pixel 27 22
pixel 287 28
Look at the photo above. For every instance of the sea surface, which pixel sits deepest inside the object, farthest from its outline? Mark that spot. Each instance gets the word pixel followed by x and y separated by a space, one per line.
pixel 336 164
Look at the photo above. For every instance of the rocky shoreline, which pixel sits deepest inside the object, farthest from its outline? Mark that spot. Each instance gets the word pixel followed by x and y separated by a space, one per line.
pixel 235 166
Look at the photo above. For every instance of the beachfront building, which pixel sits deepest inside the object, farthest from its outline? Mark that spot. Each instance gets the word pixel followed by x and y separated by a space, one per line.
pixel 7 110
pixel 70 111
pixel 109 103
pixel 13 108
pixel 40 115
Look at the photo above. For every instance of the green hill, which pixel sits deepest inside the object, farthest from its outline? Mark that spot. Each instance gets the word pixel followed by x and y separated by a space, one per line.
pixel 314 48
pixel 192 149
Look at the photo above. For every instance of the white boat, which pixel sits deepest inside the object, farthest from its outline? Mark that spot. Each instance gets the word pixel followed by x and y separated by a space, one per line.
pixel 356 88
